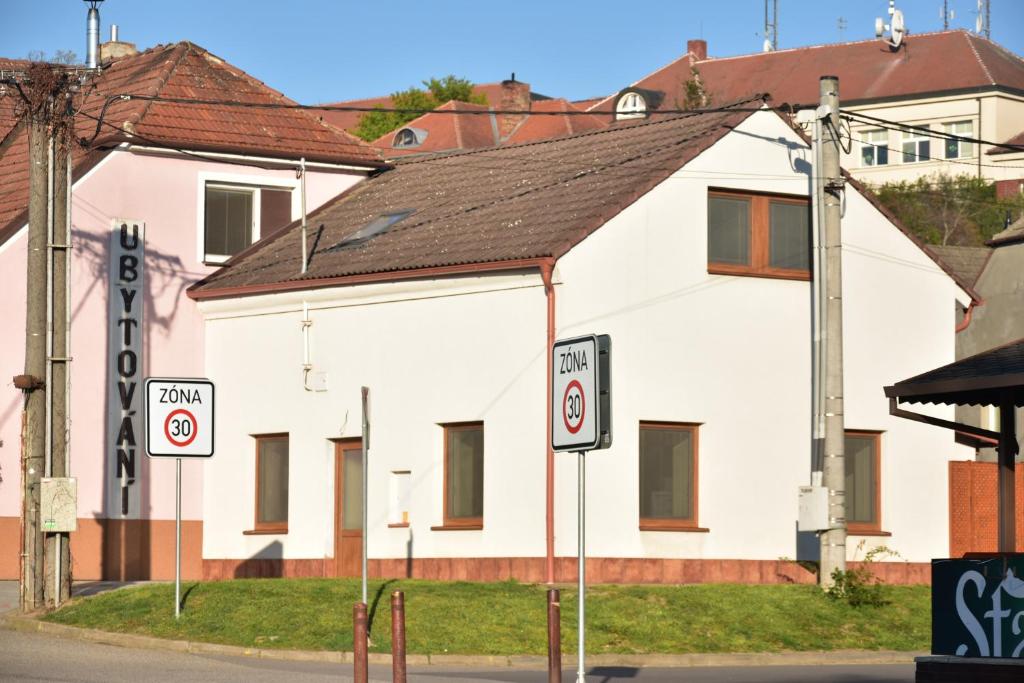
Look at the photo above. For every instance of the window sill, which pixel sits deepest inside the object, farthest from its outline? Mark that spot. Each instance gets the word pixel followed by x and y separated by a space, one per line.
pixel 400 525
pixel 669 526
pixel 266 532
pixel 742 271
pixel 458 527
pixel 867 532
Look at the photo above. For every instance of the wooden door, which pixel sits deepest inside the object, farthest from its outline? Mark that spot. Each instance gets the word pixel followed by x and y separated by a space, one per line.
pixel 348 507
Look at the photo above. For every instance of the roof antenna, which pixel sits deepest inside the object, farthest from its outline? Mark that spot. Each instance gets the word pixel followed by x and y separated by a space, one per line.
pixel 946 13
pixel 92 35
pixel 771 26
pixel 897 27
pixel 983 24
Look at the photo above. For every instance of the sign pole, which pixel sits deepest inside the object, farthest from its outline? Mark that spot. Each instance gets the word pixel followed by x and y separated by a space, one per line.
pixel 177 537
pixel 581 496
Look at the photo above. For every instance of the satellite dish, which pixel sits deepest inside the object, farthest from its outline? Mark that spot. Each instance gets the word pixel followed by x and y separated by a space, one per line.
pixel 879 27
pixel 899 29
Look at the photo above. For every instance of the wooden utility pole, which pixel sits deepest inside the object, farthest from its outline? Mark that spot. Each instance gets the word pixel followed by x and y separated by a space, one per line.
pixel 49 125
pixel 833 540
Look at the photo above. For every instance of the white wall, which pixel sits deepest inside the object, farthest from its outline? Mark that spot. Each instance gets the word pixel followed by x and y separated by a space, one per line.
pixel 732 353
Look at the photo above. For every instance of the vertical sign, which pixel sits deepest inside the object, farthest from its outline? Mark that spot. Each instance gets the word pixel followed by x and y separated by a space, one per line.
pixel 581 393
pixel 124 365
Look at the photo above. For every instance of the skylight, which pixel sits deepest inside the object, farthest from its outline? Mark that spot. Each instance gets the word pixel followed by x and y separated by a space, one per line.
pixel 378 225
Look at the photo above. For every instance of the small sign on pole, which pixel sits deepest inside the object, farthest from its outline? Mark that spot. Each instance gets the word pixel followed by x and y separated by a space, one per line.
pixel 581 420
pixel 179 424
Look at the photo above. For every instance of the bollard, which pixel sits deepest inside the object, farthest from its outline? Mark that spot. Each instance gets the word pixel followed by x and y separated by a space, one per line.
pixel 554 636
pixel 398 637
pixel 360 671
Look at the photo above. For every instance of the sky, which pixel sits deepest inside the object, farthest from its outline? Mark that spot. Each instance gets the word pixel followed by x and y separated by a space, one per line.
pixel 317 51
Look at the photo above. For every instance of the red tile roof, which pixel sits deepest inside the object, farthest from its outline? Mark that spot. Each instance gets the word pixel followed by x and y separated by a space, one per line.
pixel 348 120
pixel 1017 141
pixel 867 70
pixel 182 70
pixel 542 125
pixel 487 209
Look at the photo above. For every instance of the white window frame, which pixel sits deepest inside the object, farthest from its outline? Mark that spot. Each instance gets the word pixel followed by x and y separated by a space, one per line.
pixel 238 181
pixel 866 141
pixel 631 105
pixel 971 148
pixel 916 137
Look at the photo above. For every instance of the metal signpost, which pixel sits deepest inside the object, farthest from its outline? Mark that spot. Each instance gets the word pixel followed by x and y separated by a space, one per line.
pixel 581 422
pixel 366 469
pixel 179 424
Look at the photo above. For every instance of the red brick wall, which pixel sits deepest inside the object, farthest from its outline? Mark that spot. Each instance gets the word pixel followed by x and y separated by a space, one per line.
pixel 1009 188
pixel 973 507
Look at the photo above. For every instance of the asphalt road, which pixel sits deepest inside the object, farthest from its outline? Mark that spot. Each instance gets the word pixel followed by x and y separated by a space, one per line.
pixel 37 657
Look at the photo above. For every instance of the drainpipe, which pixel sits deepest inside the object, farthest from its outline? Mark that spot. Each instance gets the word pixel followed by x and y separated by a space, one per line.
pixel 962 325
pixel 546 270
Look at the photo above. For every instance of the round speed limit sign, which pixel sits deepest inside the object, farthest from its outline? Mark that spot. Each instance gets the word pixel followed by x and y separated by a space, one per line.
pixel 574 407
pixel 179 418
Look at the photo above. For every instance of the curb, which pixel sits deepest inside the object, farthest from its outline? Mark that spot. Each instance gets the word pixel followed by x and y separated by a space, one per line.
pixel 668 661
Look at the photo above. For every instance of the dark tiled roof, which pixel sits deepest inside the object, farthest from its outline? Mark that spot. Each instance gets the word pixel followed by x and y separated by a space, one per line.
pixel 1013 233
pixel 500 205
pixel 983 379
pixel 966 262
pixel 1016 141
pixel 867 70
pixel 182 70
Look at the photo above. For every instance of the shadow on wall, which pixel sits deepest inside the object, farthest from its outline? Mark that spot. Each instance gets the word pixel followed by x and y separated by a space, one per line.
pixel 266 564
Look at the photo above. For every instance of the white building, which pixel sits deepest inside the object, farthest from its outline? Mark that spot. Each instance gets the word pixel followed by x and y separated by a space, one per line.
pixel 439 286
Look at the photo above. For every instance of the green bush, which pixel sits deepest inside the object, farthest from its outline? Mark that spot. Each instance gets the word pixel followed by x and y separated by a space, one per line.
pixel 859 587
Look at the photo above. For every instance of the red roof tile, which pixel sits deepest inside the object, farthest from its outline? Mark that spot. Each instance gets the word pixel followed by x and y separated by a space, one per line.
pixel 497 206
pixel 1017 140
pixel 182 70
pixel 867 70
pixel 542 125
pixel 446 132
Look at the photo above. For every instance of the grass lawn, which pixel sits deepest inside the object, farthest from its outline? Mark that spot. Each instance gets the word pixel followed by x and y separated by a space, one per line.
pixel 510 618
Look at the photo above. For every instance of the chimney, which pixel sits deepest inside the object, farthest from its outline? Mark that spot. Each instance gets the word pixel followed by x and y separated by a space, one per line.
pixel 515 96
pixel 92 35
pixel 116 49
pixel 697 48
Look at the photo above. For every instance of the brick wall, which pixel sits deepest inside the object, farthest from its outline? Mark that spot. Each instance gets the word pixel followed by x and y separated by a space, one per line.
pixel 973 507
pixel 1006 189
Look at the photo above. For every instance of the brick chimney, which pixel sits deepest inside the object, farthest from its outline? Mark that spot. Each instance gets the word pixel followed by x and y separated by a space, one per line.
pixel 116 49
pixel 515 96
pixel 697 48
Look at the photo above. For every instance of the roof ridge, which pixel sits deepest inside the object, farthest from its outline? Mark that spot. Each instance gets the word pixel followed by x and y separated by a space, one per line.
pixel 165 75
pixel 641 79
pixel 981 62
pixel 662 119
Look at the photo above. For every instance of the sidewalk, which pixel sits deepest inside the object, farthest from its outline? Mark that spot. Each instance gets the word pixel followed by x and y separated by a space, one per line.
pixel 9 591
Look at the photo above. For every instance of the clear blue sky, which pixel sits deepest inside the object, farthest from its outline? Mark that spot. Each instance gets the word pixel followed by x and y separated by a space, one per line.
pixel 330 50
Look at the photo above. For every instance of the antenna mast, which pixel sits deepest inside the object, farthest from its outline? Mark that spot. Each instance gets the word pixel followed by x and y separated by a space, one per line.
pixel 983 26
pixel 771 25
pixel 946 14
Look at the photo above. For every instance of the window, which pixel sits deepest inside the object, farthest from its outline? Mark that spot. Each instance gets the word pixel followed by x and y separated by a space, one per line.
pixel 668 476
pixel 409 137
pixel 378 225
pixel 761 235
pixel 958 149
pixel 874 148
pixel 464 476
pixel 235 216
pixel 862 482
pixel 272 483
pixel 916 147
pixel 631 105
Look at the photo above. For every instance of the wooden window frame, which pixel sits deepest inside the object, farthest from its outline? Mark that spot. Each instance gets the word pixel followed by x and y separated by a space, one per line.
pixel 870 528
pixel 672 524
pixel 760 236
pixel 258 526
pixel 456 523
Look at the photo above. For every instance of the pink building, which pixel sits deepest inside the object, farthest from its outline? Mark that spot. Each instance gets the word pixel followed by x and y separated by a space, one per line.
pixel 177 189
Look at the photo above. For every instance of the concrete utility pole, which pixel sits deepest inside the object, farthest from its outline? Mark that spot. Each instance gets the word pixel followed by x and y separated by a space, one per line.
pixel 833 540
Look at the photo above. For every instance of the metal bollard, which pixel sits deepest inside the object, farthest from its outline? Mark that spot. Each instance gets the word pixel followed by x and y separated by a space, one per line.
pixel 398 637
pixel 554 636
pixel 360 670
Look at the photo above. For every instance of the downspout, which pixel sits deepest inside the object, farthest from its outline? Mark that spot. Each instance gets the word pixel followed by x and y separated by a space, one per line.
pixel 546 270
pixel 962 325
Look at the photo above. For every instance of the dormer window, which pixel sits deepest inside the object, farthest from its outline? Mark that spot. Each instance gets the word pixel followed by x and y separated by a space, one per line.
pixel 409 137
pixel 630 105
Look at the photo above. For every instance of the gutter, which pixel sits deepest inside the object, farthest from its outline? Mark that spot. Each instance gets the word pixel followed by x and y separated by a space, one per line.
pixel 255 160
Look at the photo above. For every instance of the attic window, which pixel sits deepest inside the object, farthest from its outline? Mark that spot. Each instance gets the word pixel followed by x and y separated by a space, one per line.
pixel 409 137
pixel 630 105
pixel 378 225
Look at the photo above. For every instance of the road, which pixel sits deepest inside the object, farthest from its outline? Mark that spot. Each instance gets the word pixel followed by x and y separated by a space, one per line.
pixel 36 657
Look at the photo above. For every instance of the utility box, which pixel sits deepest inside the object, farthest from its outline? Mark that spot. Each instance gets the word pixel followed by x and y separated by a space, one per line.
pixel 59 504
pixel 813 515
